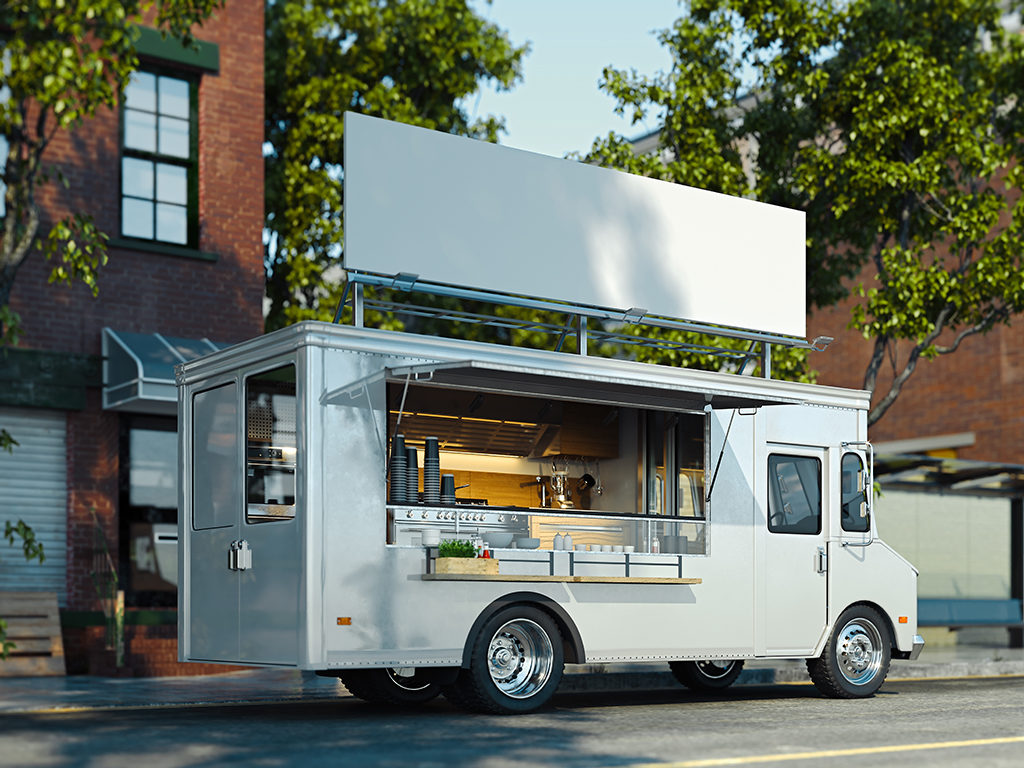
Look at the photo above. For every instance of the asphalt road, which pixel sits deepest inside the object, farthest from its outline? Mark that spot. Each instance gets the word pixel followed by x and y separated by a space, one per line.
pixel 963 722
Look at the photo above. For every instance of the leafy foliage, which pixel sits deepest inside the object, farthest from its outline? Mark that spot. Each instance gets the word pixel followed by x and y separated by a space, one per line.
pixel 456 548
pixel 413 61
pixel 31 547
pixel 897 127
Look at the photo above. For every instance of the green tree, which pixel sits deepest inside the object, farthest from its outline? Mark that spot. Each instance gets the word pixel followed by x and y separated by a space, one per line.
pixel 61 61
pixel 896 126
pixel 413 61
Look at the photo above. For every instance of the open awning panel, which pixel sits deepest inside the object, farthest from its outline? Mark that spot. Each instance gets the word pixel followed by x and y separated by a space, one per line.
pixel 138 369
pixel 538 382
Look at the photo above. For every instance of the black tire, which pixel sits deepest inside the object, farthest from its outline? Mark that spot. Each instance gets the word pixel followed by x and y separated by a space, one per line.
pixel 394 686
pixel 856 658
pixel 515 664
pixel 709 676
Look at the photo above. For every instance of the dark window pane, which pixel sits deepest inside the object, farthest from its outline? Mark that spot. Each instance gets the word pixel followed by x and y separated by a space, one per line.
pixel 153 470
pixel 853 503
pixel 794 494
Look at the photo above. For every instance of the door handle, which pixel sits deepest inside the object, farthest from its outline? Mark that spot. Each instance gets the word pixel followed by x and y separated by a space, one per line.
pixel 822 560
pixel 239 556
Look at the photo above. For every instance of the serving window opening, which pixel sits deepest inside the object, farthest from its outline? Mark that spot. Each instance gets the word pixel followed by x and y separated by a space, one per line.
pixel 271 445
pixel 553 469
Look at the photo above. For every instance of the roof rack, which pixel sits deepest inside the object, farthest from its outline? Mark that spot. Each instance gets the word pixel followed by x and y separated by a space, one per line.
pixel 577 322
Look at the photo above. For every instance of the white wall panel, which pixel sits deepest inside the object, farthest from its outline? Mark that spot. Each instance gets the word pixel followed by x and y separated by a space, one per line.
pixel 33 487
pixel 469 213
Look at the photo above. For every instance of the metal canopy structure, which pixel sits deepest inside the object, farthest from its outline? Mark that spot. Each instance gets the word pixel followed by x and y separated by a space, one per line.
pixel 582 323
pixel 932 474
pixel 138 369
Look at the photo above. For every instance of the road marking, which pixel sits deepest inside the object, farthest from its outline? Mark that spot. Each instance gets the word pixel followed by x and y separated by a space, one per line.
pixel 778 758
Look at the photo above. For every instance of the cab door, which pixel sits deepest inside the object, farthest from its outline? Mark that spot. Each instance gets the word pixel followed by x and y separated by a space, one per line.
pixel 794 570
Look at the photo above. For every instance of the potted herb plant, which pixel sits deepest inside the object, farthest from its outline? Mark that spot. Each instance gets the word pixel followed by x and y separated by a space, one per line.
pixel 459 556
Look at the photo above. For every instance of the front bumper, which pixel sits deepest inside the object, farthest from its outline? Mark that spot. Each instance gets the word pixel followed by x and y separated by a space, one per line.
pixel 916 650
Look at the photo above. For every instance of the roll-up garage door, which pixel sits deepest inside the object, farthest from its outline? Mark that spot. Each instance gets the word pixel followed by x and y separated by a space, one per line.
pixel 33 488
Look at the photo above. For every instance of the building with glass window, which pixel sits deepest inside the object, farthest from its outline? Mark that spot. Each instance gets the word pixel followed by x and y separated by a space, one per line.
pixel 175 178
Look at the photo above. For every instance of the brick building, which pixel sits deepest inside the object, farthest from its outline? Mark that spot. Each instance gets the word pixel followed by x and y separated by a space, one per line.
pixel 175 177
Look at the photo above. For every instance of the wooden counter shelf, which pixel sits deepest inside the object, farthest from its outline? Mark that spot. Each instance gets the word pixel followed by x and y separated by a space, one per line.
pixel 556 579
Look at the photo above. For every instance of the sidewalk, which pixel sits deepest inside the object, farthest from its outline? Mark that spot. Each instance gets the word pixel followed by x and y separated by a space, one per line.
pixel 64 694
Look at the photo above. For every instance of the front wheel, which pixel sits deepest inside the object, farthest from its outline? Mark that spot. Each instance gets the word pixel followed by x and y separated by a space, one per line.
pixel 515 664
pixel 707 676
pixel 856 659
pixel 401 686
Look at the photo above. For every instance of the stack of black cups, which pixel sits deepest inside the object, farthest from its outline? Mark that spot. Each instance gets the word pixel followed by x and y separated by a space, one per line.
pixel 413 474
pixel 431 472
pixel 399 485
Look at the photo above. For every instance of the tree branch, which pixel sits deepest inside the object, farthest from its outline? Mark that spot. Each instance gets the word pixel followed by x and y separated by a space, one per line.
pixel 900 379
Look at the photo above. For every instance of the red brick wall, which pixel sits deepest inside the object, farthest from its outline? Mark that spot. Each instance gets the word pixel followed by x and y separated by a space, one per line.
pixel 147 292
pixel 92 449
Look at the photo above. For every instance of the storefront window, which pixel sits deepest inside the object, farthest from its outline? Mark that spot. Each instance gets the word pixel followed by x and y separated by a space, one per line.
pixel 149 511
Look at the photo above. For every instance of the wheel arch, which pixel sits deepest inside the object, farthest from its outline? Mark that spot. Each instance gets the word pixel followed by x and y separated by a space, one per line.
pixel 572 642
pixel 881 612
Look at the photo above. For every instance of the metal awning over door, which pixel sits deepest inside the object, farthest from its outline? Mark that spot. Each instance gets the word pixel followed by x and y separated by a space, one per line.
pixel 138 369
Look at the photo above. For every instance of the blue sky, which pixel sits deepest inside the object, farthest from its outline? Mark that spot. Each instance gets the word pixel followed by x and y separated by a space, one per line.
pixel 557 107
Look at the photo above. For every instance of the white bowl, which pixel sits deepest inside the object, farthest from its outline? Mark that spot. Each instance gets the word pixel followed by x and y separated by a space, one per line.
pixel 498 540
pixel 629 548
pixel 527 543
pixel 580 547
pixel 616 548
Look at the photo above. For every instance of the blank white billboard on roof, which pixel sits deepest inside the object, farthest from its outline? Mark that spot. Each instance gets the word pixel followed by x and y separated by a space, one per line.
pixel 468 213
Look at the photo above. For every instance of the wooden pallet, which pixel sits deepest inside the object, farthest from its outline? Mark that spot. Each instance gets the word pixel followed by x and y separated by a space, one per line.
pixel 33 625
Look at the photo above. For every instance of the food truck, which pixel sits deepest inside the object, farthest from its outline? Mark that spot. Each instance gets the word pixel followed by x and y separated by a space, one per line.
pixel 628 512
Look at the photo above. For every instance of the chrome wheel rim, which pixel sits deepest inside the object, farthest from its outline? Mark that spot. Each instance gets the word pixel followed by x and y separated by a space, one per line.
pixel 859 651
pixel 405 678
pixel 520 658
pixel 715 669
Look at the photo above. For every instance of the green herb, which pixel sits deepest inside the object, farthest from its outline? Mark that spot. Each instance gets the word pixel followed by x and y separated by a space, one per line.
pixel 456 548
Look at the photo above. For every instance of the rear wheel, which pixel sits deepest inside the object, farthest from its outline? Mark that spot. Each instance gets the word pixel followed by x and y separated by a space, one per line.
pixel 856 659
pixel 515 664
pixel 402 686
pixel 709 676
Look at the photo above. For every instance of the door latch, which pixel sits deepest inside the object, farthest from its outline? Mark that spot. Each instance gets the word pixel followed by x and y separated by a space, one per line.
pixel 239 556
pixel 822 560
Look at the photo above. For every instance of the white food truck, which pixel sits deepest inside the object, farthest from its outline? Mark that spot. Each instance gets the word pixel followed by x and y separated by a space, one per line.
pixel 633 512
